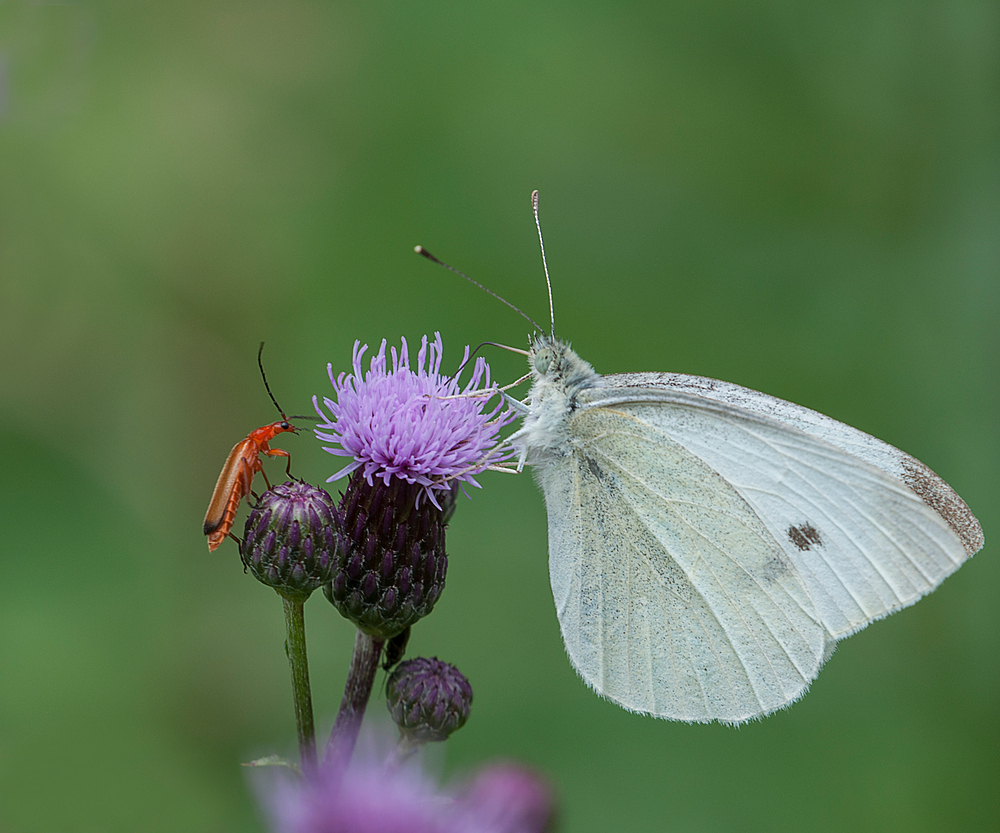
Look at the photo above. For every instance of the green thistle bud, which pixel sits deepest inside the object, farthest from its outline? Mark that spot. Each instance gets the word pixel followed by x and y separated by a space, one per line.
pixel 428 699
pixel 291 538
pixel 392 565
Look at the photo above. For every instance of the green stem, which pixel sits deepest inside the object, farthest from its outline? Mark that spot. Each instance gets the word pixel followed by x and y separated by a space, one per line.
pixel 295 648
pixel 406 747
pixel 360 678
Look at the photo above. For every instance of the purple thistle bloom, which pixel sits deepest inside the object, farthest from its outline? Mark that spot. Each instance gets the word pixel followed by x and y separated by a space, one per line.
pixel 396 422
pixel 377 794
pixel 369 797
pixel 509 798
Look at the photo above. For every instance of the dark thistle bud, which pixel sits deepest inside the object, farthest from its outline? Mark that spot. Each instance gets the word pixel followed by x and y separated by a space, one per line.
pixel 428 699
pixel 392 565
pixel 291 537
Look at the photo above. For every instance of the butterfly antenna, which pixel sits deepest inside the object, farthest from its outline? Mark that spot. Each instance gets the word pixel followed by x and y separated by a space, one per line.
pixel 420 250
pixel 545 266
pixel 263 375
pixel 472 355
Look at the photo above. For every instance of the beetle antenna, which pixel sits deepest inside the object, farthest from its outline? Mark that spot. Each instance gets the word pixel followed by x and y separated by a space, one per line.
pixel 545 266
pixel 263 375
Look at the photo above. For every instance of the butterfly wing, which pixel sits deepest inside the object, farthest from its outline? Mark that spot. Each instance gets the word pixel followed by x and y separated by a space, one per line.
pixel 870 528
pixel 898 464
pixel 705 557
pixel 672 596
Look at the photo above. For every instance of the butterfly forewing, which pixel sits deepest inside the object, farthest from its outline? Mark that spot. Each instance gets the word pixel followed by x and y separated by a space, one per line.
pixel 898 464
pixel 863 543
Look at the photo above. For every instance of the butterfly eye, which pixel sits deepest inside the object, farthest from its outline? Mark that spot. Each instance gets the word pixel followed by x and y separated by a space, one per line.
pixel 543 361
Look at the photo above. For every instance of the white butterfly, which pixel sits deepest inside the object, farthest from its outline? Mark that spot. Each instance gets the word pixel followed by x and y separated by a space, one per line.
pixel 710 544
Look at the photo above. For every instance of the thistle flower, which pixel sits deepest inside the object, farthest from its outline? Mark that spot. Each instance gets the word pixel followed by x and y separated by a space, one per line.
pixel 400 422
pixel 368 797
pixel 382 795
pixel 508 798
pixel 428 699
pixel 415 436
pixel 290 538
pixel 392 566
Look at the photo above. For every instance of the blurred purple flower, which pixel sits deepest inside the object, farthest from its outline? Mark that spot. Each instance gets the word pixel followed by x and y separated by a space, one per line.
pixel 396 422
pixel 509 798
pixel 372 796
pixel 366 798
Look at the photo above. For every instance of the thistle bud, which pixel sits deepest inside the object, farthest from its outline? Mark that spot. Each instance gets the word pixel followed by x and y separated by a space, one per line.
pixel 291 538
pixel 392 565
pixel 428 699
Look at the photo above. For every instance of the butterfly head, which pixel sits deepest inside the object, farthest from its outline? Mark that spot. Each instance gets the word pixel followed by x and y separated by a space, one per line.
pixel 554 361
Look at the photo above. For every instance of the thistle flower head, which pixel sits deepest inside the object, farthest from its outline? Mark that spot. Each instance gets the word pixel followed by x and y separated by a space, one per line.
pixel 291 538
pixel 391 565
pixel 410 422
pixel 510 798
pixel 368 797
pixel 377 794
pixel 428 699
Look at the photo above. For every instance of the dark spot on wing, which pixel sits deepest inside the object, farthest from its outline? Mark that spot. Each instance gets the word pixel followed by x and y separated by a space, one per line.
pixel 804 536
pixel 775 568
pixel 938 495
pixel 595 469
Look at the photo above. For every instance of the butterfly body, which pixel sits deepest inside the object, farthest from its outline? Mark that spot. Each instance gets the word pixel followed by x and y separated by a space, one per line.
pixel 558 377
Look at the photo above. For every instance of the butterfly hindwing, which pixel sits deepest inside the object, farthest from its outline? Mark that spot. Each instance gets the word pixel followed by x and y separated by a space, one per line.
pixel 660 610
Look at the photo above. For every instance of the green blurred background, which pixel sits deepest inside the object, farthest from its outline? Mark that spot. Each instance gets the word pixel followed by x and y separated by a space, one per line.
pixel 801 198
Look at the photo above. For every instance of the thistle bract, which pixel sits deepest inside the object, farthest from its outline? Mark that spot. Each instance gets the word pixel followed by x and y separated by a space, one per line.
pixel 392 566
pixel 291 538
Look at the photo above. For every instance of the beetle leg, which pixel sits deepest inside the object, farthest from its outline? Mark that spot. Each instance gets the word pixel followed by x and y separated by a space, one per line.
pixel 239 544
pixel 279 452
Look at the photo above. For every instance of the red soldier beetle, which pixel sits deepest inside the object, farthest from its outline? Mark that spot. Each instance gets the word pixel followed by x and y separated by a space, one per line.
pixel 242 464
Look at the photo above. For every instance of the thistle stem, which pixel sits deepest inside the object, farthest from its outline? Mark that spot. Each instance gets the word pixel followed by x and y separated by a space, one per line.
pixel 360 678
pixel 295 649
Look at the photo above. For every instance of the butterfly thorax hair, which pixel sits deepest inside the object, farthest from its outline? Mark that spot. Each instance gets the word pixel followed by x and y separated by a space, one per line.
pixel 558 376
